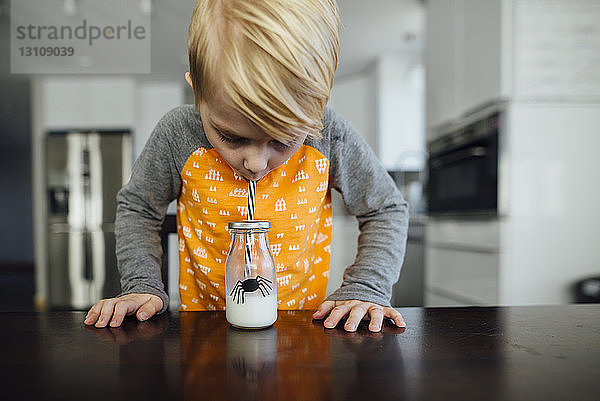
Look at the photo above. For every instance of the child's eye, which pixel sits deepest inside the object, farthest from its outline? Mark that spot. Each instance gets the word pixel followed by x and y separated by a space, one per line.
pixel 232 140
pixel 279 145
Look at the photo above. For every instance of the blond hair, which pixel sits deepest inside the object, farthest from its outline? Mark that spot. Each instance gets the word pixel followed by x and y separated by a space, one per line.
pixel 274 59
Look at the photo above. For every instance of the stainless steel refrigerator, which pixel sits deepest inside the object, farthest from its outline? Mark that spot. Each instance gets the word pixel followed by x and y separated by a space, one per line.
pixel 84 172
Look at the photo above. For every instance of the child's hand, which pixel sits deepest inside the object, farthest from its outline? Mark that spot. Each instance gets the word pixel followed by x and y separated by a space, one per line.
pixel 356 310
pixel 113 310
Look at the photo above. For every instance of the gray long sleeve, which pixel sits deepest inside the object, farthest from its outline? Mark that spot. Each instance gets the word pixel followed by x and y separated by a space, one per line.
pixel 140 213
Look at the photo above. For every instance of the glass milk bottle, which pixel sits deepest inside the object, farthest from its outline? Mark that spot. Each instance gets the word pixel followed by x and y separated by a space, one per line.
pixel 250 285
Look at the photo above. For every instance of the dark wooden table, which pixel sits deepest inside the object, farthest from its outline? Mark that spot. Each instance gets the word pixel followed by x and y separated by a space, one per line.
pixel 511 353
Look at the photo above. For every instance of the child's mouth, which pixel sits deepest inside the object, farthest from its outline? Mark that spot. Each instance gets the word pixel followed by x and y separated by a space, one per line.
pixel 250 177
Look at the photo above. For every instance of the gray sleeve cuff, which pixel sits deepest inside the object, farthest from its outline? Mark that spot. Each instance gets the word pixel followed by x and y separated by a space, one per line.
pixel 360 292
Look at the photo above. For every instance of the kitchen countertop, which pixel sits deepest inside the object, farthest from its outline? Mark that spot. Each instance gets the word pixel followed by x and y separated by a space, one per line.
pixel 497 353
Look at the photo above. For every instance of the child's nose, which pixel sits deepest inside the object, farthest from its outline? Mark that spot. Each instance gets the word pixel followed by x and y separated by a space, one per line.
pixel 255 161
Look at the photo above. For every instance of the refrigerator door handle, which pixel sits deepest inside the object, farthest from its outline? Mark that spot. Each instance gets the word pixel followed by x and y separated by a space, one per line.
pixel 95 217
pixel 98 267
pixel 76 219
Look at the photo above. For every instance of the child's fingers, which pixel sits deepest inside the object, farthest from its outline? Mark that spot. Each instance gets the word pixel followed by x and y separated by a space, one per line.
pixel 376 314
pixel 395 316
pixel 93 313
pixel 114 310
pixel 149 308
pixel 122 308
pixel 323 309
pixel 337 314
pixel 357 313
pixel 106 312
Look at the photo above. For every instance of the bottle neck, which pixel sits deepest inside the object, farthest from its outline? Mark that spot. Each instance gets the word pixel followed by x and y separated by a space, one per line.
pixel 236 231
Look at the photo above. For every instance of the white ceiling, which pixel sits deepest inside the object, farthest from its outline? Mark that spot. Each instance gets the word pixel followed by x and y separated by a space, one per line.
pixel 369 28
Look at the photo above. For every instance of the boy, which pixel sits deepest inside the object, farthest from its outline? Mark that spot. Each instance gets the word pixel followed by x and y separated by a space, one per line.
pixel 261 72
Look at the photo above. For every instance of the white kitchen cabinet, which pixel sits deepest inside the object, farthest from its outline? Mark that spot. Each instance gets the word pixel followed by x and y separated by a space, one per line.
pixel 555 50
pixel 465 49
pixel 466 276
pixel 462 262
pixel 433 299
pixel 481 235
pixel 481 51
pixel 440 63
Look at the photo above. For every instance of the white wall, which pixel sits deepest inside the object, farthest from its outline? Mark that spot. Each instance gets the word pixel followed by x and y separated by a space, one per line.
pixel 400 83
pixel 385 103
pixel 551 236
pixel 354 97
pixel 153 100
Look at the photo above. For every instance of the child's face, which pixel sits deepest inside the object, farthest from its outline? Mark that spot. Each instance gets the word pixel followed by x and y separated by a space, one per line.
pixel 250 152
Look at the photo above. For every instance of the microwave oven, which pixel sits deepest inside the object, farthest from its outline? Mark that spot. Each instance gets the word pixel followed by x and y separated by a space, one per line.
pixel 463 169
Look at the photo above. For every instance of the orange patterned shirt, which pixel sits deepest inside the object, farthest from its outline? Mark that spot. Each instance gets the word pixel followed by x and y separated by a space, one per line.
pixel 296 200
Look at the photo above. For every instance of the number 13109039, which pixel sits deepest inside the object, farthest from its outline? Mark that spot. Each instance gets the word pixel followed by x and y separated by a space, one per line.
pixel 47 51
